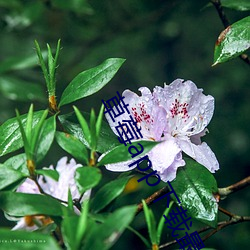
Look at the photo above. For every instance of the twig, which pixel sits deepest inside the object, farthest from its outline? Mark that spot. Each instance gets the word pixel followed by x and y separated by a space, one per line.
pixel 234 220
pixel 224 192
pixel 226 23
pixel 224 211
pixel 152 197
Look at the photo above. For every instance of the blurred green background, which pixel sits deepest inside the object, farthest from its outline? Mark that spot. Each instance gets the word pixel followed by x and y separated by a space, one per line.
pixel 162 41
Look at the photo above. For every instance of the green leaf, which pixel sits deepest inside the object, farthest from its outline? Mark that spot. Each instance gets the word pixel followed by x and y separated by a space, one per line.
pixel 82 223
pixel 37 131
pixel 241 5
pixel 16 240
pixel 84 125
pixel 46 138
pixel 121 153
pixel 18 162
pixel 194 186
pixel 9 175
pixel 53 174
pixel 92 127
pixel 107 139
pixel 20 204
pixel 69 230
pixel 150 219
pixel 19 90
pixel 90 81
pixel 104 236
pixel 99 122
pixel 162 222
pixel 233 41
pixel 87 177
pixel 108 193
pixel 10 136
pixel 73 146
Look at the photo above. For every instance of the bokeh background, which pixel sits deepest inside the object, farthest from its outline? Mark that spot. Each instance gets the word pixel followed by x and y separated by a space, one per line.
pixel 161 41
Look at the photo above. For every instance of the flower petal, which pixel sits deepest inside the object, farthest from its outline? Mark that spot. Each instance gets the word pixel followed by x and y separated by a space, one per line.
pixel 201 153
pixel 59 189
pixel 166 158
pixel 189 110
pixel 29 187
pixel 149 116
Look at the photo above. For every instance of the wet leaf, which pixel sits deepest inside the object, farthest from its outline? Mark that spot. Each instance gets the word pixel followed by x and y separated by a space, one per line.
pixel 105 235
pixel 46 137
pixel 9 176
pixel 87 177
pixel 121 153
pixel 108 193
pixel 107 139
pixel 10 135
pixel 73 146
pixel 90 81
pixel 194 186
pixel 20 204
pixel 233 41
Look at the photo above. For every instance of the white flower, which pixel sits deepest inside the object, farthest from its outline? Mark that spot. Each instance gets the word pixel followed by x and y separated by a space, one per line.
pixel 177 115
pixel 58 189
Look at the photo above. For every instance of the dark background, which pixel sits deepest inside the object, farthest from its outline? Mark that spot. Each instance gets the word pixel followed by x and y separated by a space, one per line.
pixel 161 41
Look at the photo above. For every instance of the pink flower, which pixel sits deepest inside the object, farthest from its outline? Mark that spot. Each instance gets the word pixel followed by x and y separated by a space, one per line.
pixel 58 189
pixel 177 115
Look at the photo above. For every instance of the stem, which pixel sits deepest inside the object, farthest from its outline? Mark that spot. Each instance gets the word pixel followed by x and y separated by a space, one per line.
pixel 224 192
pixel 151 198
pixel 234 220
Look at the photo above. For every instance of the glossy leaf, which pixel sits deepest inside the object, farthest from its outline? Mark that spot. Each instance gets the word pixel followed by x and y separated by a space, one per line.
pixel 9 175
pixel 241 5
pixel 194 186
pixel 121 153
pixel 105 235
pixel 90 81
pixel 69 230
pixel 16 240
pixel 108 193
pixel 18 162
pixel 73 146
pixel 53 174
pixel 162 222
pixel 20 204
pixel 10 136
pixel 151 223
pixel 87 177
pixel 46 137
pixel 107 139
pixel 233 41
pixel 19 90
pixel 84 125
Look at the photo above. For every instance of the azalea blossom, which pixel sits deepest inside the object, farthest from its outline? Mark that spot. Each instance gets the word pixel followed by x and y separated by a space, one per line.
pixel 175 115
pixel 58 189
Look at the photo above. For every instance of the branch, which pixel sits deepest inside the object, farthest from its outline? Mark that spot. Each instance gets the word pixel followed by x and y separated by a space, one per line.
pixel 152 197
pixel 224 192
pixel 226 23
pixel 234 220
